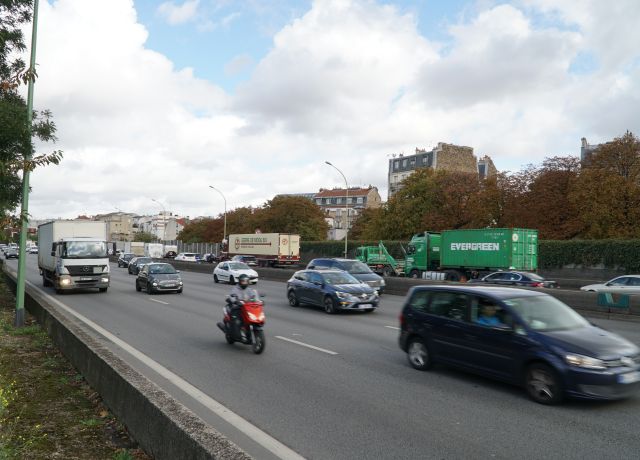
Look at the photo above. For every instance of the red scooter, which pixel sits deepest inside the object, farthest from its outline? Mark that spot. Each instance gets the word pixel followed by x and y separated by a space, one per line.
pixel 243 322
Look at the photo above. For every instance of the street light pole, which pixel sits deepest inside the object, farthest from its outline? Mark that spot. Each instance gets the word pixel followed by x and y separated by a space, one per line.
pixel 346 233
pixel 24 212
pixel 164 225
pixel 224 237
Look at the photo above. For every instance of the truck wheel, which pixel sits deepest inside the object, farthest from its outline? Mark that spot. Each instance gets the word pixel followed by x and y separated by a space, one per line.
pixel 386 271
pixel 414 274
pixel 45 281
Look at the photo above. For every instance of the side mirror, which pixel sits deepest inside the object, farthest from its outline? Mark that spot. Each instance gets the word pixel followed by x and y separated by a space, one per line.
pixel 177 271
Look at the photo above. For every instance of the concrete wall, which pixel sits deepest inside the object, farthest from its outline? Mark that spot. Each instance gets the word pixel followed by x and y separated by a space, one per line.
pixel 163 427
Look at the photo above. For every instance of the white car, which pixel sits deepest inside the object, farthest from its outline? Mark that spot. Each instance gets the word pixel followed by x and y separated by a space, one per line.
pixel 33 250
pixel 230 271
pixel 188 257
pixel 626 284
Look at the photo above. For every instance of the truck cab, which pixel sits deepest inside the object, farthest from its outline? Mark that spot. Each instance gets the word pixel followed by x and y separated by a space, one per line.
pixel 79 263
pixel 423 254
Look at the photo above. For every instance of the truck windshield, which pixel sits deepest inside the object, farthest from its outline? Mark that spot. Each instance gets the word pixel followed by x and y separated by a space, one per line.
pixel 84 250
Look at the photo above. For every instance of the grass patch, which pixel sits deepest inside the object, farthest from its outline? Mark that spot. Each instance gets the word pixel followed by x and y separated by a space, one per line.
pixel 47 410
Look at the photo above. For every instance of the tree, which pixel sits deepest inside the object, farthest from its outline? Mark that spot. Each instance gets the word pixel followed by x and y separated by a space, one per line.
pixel 16 137
pixel 620 156
pixel 145 237
pixel 370 225
pixel 292 214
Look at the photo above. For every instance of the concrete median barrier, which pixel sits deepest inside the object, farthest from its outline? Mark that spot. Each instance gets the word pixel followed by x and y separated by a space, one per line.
pixel 162 426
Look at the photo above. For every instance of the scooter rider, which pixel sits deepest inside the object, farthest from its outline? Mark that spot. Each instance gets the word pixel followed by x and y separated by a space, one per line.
pixel 240 293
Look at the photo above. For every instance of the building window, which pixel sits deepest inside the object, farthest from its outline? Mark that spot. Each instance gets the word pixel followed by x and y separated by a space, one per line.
pixel 334 201
pixel 360 200
pixel 318 201
pixel 404 163
pixel 324 201
pixel 396 165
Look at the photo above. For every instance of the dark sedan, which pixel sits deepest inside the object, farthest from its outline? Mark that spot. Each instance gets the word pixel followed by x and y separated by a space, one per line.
pixel 514 278
pixel 159 277
pixel 334 290
pixel 125 258
pixel 136 263
pixel 11 253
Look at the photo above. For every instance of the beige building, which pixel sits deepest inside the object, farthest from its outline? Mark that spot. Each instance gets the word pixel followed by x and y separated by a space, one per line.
pixel 444 156
pixel 119 225
pixel 335 204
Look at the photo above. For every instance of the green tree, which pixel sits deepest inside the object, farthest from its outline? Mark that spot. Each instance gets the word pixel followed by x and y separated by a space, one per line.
pixel 145 237
pixel 16 142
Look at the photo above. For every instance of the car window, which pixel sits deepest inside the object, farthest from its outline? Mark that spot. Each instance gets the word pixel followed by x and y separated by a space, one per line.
pixel 354 266
pixel 339 278
pixel 514 277
pixel 315 278
pixel 622 281
pixel 546 313
pixel 487 312
pixel 449 304
pixel 494 276
pixel 238 266
pixel 420 301
pixel 320 263
pixel 300 276
pixel 224 267
pixel 633 282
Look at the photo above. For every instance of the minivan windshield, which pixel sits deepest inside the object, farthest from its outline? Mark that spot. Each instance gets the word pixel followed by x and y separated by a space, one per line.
pixel 355 267
pixel 546 313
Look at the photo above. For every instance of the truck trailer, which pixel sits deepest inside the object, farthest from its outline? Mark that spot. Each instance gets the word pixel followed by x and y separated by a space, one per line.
pixel 270 249
pixel 470 253
pixel 72 254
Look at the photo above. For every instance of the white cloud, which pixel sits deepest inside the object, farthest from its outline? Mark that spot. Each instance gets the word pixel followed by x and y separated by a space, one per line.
pixel 179 14
pixel 349 81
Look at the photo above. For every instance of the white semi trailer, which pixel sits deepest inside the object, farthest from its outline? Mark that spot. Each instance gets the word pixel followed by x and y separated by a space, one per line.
pixel 72 254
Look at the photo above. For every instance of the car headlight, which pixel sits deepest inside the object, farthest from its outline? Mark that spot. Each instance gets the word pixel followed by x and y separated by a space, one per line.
pixel 180 283
pixel 586 362
pixel 382 283
pixel 342 295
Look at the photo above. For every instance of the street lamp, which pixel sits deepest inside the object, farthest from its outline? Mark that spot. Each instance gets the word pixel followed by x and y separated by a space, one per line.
pixel 224 237
pixel 346 234
pixel 164 225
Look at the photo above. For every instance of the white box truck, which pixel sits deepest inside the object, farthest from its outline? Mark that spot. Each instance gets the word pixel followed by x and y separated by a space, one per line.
pixel 154 250
pixel 72 254
pixel 270 249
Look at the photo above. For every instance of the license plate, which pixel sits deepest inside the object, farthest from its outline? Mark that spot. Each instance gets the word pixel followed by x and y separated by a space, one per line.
pixel 630 377
pixel 85 278
pixel 365 305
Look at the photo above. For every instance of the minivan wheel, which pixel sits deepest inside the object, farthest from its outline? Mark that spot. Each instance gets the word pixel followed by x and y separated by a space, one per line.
pixel 419 355
pixel 542 384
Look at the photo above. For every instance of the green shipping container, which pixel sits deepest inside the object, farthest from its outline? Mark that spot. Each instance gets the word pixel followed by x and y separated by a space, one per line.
pixel 490 248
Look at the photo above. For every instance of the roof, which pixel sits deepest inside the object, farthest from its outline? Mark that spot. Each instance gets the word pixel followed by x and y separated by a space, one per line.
pixel 326 193
pixel 496 292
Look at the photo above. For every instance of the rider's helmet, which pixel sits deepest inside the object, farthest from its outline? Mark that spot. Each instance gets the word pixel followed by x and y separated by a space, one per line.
pixel 243 281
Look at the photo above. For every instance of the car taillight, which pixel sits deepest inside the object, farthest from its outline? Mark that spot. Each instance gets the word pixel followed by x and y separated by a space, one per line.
pixel 401 319
pixel 538 284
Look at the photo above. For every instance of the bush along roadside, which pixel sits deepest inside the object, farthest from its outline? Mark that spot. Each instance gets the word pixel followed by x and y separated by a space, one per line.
pixel 47 410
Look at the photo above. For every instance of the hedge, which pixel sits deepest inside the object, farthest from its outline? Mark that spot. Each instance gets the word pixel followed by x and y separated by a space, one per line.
pixel 608 254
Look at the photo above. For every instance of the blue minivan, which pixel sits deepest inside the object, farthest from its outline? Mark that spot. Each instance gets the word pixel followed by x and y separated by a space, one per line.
pixel 519 336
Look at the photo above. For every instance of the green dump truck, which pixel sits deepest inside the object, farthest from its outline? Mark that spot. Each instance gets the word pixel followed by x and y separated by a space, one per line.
pixel 463 254
pixel 380 261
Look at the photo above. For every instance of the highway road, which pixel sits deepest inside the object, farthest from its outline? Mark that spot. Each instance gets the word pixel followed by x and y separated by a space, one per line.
pixel 339 387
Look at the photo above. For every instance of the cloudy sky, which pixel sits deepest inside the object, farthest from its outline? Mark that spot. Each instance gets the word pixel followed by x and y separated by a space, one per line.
pixel 157 100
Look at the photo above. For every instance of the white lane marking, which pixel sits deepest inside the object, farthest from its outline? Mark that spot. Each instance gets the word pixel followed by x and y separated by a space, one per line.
pixel 393 327
pixel 329 352
pixel 159 301
pixel 271 444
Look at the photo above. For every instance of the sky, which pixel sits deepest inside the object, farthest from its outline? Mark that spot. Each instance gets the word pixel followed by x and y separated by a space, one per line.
pixel 155 101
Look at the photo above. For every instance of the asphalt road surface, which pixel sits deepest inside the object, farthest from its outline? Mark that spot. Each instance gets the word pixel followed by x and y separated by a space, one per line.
pixel 339 387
